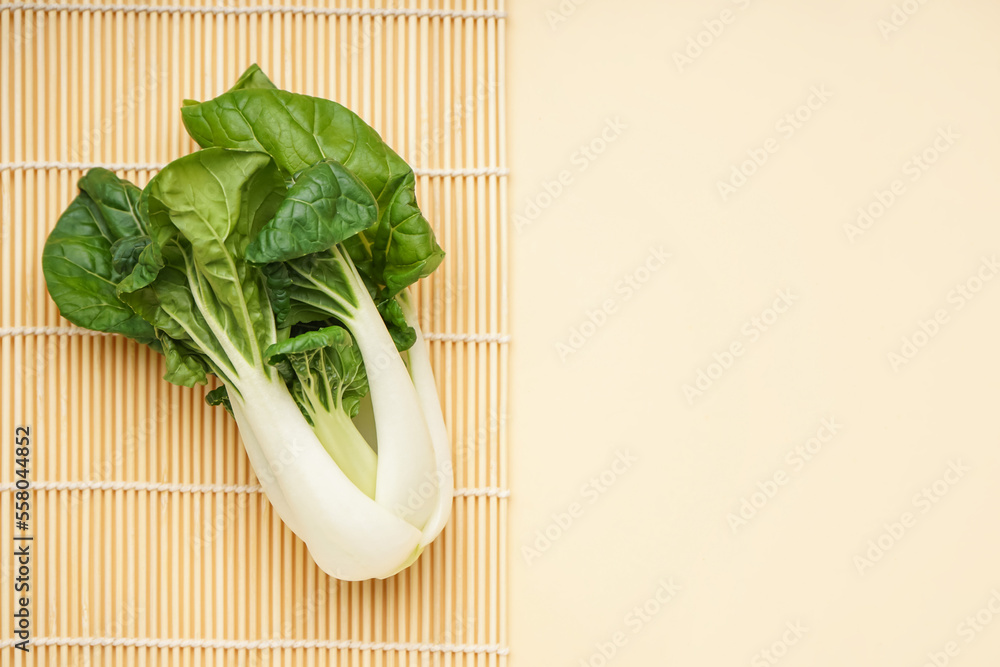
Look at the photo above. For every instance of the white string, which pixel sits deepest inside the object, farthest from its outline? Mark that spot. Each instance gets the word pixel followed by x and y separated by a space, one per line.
pixel 272 9
pixel 469 337
pixel 260 644
pixel 6 332
pixel 168 487
pixel 110 166
pixel 141 166
pixel 485 492
pixel 482 171
pixel 175 487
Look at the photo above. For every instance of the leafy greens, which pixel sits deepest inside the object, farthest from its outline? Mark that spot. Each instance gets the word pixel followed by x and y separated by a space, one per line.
pixel 277 259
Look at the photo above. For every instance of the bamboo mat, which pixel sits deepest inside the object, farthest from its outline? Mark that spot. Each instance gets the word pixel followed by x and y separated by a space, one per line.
pixel 152 544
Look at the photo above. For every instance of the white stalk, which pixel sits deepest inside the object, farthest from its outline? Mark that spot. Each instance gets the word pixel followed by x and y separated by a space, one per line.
pixel 260 465
pixel 423 382
pixel 406 460
pixel 342 440
pixel 349 535
pixel 405 449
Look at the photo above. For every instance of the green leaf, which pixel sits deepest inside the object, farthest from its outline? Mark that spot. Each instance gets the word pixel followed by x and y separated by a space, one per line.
pixel 143 272
pixel 321 283
pixel 299 131
pixel 184 367
pixel 326 205
pixel 125 253
pixel 252 78
pixel 402 333
pixel 169 305
pixel 280 288
pixel 78 265
pixel 118 201
pixel 328 364
pixel 319 286
pixel 277 282
pixel 219 396
pixel 202 210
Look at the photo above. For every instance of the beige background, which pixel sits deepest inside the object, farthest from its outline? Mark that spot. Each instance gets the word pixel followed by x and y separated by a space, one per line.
pixel 826 357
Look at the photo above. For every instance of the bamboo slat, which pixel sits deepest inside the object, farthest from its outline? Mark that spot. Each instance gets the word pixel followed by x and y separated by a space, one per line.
pixel 152 542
